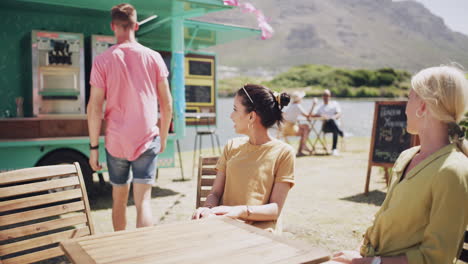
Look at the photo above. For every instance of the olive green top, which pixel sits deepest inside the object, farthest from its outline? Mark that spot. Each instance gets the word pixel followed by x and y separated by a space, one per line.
pixel 425 215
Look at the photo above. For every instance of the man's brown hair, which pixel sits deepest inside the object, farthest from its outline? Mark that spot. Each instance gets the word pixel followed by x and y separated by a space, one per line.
pixel 124 15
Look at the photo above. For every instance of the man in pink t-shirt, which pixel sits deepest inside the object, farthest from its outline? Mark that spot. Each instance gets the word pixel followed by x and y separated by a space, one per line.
pixel 131 79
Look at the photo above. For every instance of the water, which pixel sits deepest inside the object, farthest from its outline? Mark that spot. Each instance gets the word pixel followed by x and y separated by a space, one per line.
pixel 356 121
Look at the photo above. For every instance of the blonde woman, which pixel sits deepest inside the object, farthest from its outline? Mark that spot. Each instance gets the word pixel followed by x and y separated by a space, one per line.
pixel 291 127
pixel 425 213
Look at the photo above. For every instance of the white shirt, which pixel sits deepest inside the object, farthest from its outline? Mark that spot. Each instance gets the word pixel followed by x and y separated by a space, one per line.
pixel 292 112
pixel 330 109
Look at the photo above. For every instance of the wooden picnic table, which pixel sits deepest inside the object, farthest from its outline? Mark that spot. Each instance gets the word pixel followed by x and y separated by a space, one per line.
pixel 214 240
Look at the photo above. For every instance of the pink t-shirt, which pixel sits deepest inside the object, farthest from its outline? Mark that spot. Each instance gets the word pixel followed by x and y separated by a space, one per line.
pixel 129 74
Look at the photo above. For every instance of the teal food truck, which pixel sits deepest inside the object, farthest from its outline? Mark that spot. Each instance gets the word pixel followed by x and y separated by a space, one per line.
pixel 46 54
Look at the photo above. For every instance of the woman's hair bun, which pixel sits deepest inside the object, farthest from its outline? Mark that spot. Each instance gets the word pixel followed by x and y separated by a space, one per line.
pixel 284 100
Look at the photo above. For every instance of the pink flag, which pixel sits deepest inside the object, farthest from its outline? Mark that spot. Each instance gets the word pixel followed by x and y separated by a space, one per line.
pixel 248 8
pixel 231 2
pixel 267 30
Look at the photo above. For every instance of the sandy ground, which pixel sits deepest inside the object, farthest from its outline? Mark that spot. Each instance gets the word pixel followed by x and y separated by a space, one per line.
pixel 326 207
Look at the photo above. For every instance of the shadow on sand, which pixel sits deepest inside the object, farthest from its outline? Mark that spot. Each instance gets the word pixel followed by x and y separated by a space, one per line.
pixel 375 197
pixel 102 197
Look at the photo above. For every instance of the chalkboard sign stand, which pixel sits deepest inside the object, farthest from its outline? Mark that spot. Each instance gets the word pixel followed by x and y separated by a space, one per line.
pixel 393 107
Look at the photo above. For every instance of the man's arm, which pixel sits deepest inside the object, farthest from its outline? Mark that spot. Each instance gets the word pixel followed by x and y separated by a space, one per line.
pixel 318 113
pixel 311 112
pixel 96 101
pixel 303 112
pixel 165 108
pixel 338 111
pixel 337 116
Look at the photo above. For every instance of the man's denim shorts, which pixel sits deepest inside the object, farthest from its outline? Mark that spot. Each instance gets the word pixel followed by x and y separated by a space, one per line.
pixel 143 168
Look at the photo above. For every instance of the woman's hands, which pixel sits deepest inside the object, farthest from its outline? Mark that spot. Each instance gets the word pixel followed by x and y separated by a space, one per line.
pixel 353 257
pixel 348 257
pixel 202 212
pixel 234 212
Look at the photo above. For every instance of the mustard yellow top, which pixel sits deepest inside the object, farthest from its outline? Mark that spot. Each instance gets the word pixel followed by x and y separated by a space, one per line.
pixel 426 214
pixel 251 172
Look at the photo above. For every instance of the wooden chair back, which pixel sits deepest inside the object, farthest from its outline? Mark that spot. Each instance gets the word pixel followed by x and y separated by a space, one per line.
pixel 206 177
pixel 40 207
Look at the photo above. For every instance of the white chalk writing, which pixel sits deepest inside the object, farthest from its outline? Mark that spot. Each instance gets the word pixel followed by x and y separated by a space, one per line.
pixel 394 123
pixel 390 112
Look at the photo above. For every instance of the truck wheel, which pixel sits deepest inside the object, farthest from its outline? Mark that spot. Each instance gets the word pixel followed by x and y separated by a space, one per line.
pixel 68 156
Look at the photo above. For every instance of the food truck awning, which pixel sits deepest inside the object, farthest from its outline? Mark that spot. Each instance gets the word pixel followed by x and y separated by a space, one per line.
pixel 155 33
pixel 145 8
pixel 197 35
pixel 201 34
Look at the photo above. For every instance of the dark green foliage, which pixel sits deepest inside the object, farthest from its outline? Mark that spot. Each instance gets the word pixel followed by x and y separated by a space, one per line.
pixel 384 82
pixel 384 79
pixel 464 123
pixel 367 92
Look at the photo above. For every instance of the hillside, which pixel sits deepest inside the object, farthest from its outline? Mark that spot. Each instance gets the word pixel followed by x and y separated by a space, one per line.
pixel 344 33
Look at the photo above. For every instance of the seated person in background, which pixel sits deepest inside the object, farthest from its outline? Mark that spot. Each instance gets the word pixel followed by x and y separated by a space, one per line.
pixel 254 173
pixel 331 112
pixel 291 127
pixel 425 214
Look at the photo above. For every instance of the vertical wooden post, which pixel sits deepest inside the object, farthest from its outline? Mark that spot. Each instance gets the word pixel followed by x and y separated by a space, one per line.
pixel 369 166
pixel 366 189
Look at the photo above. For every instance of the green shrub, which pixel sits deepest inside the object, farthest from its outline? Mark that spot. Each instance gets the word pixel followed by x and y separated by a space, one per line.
pixel 385 79
pixel 390 71
pixel 405 86
pixel 385 82
pixel 389 92
pixel 361 77
pixel 464 123
pixel 402 75
pixel 367 92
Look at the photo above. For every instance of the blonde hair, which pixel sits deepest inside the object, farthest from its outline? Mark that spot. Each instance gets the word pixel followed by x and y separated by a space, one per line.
pixel 124 15
pixel 444 89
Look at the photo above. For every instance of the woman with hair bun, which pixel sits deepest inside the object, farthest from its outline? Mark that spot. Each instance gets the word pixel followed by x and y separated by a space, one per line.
pixel 254 173
pixel 425 214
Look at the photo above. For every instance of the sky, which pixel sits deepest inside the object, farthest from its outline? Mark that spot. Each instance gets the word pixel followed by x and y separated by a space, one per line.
pixel 454 12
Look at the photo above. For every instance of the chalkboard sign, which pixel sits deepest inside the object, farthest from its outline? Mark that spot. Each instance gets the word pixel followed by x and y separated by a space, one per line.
pixel 202 68
pixel 198 94
pixel 389 137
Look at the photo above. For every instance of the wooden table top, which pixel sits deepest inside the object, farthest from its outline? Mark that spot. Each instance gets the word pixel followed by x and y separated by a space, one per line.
pixel 214 240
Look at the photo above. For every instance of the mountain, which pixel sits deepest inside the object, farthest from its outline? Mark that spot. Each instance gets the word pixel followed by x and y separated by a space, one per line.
pixel 343 33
